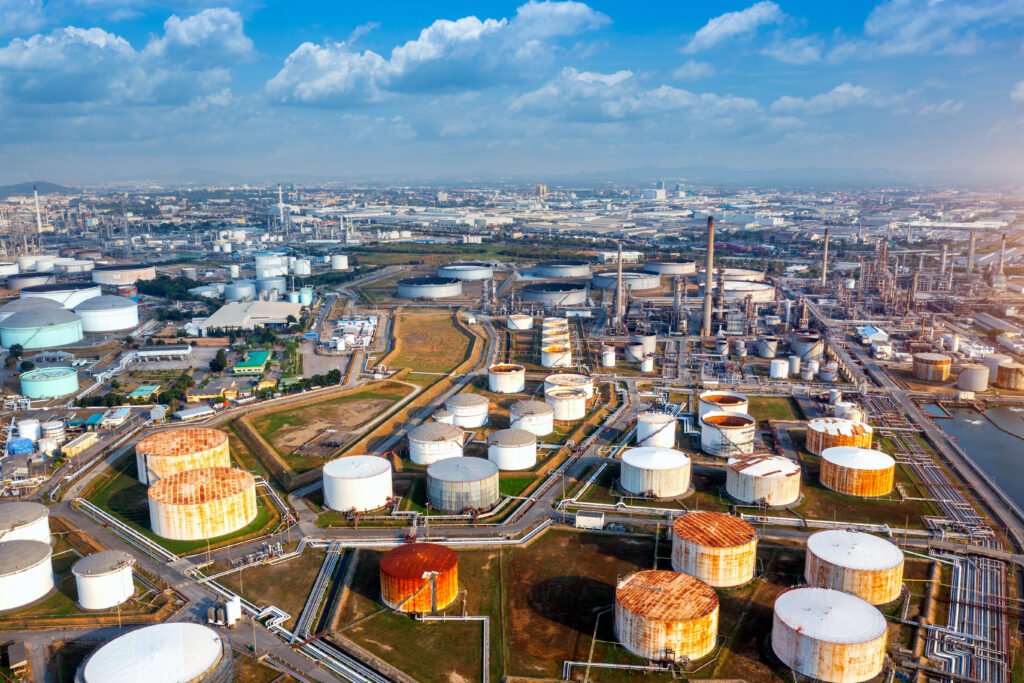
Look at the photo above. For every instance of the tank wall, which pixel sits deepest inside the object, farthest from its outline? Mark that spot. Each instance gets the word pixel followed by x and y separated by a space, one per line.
pixel 43 338
pixel 456 496
pixel 769 490
pixel 429 452
pixel 513 457
pixel 719 567
pixel 39 530
pixel 667 483
pixel 659 640
pixel 361 494
pixel 507 382
pixel 106 590
pixel 568 408
pixel 409 595
pixel 1010 377
pixel 109 320
pixel 733 441
pixel 656 434
pixel 877 586
pixel 931 372
pixel 856 482
pixel 539 425
pixel 26 586
pixel 203 520
pixel 831 662
pixel 50 387
pixel 152 468
pixel 818 441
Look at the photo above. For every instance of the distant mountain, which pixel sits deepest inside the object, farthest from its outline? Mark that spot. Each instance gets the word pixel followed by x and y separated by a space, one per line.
pixel 41 185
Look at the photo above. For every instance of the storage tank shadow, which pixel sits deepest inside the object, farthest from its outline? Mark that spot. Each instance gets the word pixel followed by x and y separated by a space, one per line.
pixel 569 600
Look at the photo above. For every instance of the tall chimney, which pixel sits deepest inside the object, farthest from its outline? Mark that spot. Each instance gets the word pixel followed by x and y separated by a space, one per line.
pixel 709 273
pixel 824 262
pixel 619 312
pixel 970 253
pixel 677 304
pixel 945 256
pixel 1002 253
pixel 39 214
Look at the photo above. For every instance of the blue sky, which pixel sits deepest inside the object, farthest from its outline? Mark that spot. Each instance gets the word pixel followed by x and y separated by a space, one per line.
pixel 94 90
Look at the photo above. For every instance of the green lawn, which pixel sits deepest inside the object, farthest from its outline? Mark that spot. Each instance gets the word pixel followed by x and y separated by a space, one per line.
pixel 774 408
pixel 513 486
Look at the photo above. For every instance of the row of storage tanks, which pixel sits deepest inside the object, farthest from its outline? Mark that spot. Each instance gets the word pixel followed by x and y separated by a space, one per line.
pixel 996 369
pixel 43 269
pixel 103 579
pixel 268 288
pixel 33 435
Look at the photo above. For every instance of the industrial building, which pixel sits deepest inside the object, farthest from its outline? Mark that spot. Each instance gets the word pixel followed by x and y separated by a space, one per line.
pixel 716 548
pixel 250 315
pixel 666 616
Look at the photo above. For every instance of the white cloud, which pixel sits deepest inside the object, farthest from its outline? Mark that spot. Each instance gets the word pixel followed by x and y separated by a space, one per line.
pixel 944 108
pixel 447 56
pixel 1017 94
pixel 842 96
pixel 805 50
pixel 18 17
pixel 216 33
pixel 692 70
pixel 732 24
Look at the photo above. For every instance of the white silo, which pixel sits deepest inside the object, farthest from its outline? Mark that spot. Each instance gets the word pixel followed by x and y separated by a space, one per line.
pixel 536 417
pixel 568 404
pixel 655 472
pixel 973 377
pixel 26 572
pixel 24 521
pixel 771 480
pixel 29 428
pixel 519 322
pixel 656 429
pixel 469 410
pixel 434 441
pixel 357 482
pixel 647 364
pixel 727 434
pixel 568 380
pixel 608 356
pixel 794 365
pixel 512 449
pixel 339 262
pixel 778 368
pixel 506 378
pixel 104 579
pixel 722 401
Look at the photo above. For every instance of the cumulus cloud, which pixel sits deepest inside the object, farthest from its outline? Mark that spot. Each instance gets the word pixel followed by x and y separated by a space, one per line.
pixel 1017 94
pixel 944 108
pixel 805 50
pixel 18 17
pixel 692 70
pixel 447 56
pixel 210 35
pixel 733 24
pixel 842 96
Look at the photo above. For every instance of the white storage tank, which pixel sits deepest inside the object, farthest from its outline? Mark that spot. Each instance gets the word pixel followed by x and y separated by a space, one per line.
pixel 67 294
pixel 108 313
pixel 519 322
pixel 727 434
pixel 434 441
pixel 647 364
pixel 829 372
pixel 973 377
pixel 104 579
pixel 512 449
pixel 767 347
pixel 24 521
pixel 469 410
pixel 829 635
pixel 794 366
pixel 176 651
pixel 778 368
pixel 202 504
pixel 339 262
pixel 357 482
pixel 536 417
pixel 771 480
pixel 461 484
pixel 29 428
pixel 633 352
pixel 993 361
pixel 867 566
pixel 608 356
pixel 656 430
pixel 506 378
pixel 655 472
pixel 556 356
pixel 568 404
pixel 26 573
pixel 568 380
pixel 722 402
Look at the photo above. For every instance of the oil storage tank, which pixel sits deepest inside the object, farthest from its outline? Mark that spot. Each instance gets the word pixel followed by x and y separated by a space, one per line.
pixel 419 578
pixel 808 345
pixel 555 294
pixel 671 267
pixel 562 269
pixel 468 410
pixel 434 441
pixel 429 288
pixel 42 329
pixel 1010 376
pixel 123 273
pixel 932 367
pixel 26 572
pixel 656 429
pixel 43 383
pixel 24 280
pixel 357 482
pixel 201 504
pixel 655 472
pixel 718 549
pixel 20 305
pixel 862 472
pixel 666 616
pixel 466 270
pixel 458 484
pixel 867 566
pixel 67 294
pixel 552 356
pixel 771 480
pixel 827 432
pixel 104 579
pixel 108 313
pixel 727 434
pixel 512 449
pixel 631 280
pixel 568 380
pixel 506 378
pixel 991 361
pixel 179 651
pixel 519 322
pixel 568 404
pixel 973 377
pixel 536 417
pixel 829 635
pixel 24 521
pixel 169 452
pixel 722 401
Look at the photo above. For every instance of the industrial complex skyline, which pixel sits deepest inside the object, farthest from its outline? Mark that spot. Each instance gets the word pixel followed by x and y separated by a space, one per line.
pixel 110 90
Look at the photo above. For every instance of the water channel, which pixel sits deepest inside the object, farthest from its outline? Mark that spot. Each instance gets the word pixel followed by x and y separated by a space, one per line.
pixel 995 441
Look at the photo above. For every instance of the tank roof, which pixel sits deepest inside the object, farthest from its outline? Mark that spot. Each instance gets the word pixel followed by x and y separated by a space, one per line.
pixel 506 367
pixel 765 466
pixel 14 515
pixel 60 287
pixel 933 357
pixel 176 652
pixel 19 555
pixel 855 549
pixel 44 317
pixel 435 431
pixel 512 437
pixel 184 441
pixel 725 398
pixel 556 287
pixel 48 373
pixel 413 560
pixel 569 379
pixel 29 304
pixel 727 420
pixel 122 266
pixel 656 417
pixel 715 529
pixel 858 458
pixel 429 280
pixel 193 487
pixel 655 458
pixel 532 408
pixel 357 467
pixel 666 596
pixel 565 262
pixel 462 469
pixel 829 615
pixel 839 426
pixel 103 562
pixel 106 302
pixel 466 400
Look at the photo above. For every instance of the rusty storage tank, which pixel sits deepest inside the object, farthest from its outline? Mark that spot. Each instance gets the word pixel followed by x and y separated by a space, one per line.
pixel 771 480
pixel 666 616
pixel 867 566
pixel 827 432
pixel 723 402
pixel 1010 376
pixel 199 504
pixel 656 429
pixel 419 577
pixel 829 635
pixel 973 377
pixel 727 434
pixel 458 484
pixel 655 472
pixel 506 378
pixel 932 367
pixel 568 380
pixel 862 472
pixel 717 548
pixel 533 416
pixel 162 454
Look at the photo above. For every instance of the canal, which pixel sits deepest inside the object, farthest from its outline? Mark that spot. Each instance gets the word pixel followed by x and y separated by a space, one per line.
pixel 998 450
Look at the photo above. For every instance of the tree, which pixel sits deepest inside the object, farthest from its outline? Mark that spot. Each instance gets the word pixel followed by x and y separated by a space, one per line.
pixel 220 361
pixel 27 365
pixel 16 350
pixel 291 320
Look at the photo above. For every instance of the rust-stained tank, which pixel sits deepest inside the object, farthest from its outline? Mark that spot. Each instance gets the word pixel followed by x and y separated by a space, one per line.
pixel 826 432
pixel 857 471
pixel 199 504
pixel 717 548
pixel 162 454
pixel 772 480
pixel 829 635
pixel 932 367
pixel 419 577
pixel 1010 376
pixel 666 616
pixel 857 563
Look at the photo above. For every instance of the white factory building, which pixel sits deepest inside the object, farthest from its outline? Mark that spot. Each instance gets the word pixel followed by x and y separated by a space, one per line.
pixel 250 315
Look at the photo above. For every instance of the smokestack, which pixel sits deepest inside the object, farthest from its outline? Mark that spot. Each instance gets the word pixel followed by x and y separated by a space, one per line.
pixel 280 204
pixel 945 256
pixel 824 262
pixel 1002 253
pixel 709 272
pixel 619 313
pixel 39 214
pixel 677 304
pixel 970 253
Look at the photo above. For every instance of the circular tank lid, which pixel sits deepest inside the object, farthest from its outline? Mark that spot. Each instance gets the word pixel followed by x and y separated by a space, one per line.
pixel 428 280
pixel 724 420
pixel 177 652
pixel 460 265
pixel 855 549
pixel 723 398
pixel 466 400
pixel 194 487
pixel 462 469
pixel 531 408
pixel 512 437
pixel 45 317
pixel 765 466
pixel 973 367
pixel 500 368
pixel 715 529
pixel 60 287
pixel 102 563
pixel 555 287
pixel 666 596
pixel 858 458
pixel 17 556
pixel 30 304
pixel 933 357
pixel 568 379
pixel 113 267
pixel 14 515
pixel 839 426
pixel 48 373
pixel 413 560
pixel 357 467
pixel 105 302
pixel 436 431
pixel 653 417
pixel 830 616
pixel 176 442
pixel 655 458
pixel 562 264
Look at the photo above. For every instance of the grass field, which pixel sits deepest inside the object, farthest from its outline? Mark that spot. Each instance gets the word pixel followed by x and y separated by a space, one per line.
pixel 248 670
pixel 513 486
pixel 428 341
pixel 774 408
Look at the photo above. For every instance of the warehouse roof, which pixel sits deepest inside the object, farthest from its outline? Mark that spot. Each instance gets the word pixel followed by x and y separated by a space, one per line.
pixel 251 314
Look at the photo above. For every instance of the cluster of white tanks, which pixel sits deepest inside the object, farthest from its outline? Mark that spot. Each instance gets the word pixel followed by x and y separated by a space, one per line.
pixel 26 569
pixel 555 343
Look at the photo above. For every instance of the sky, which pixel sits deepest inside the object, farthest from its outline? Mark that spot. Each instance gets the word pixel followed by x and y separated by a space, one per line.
pixel 111 90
